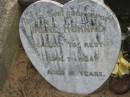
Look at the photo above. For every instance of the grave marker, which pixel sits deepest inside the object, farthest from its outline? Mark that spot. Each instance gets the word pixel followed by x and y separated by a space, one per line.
pixel 73 46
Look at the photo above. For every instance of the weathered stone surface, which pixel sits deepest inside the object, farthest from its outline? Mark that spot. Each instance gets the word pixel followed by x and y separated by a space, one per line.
pixel 25 81
pixel 121 8
pixel 74 46
pixel 9 19
pixel 25 3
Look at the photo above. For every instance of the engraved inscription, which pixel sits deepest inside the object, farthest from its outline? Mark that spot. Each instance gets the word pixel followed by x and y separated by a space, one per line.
pixel 65 46
pixel 73 46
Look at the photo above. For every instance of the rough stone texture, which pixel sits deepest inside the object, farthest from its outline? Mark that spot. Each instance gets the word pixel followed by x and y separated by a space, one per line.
pixel 121 8
pixel 9 19
pixel 73 60
pixel 25 81
pixel 25 3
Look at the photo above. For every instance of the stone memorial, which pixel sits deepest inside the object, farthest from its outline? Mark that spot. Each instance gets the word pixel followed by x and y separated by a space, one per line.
pixel 73 46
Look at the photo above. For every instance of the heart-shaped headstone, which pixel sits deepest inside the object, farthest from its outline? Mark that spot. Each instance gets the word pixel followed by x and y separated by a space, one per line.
pixel 74 46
